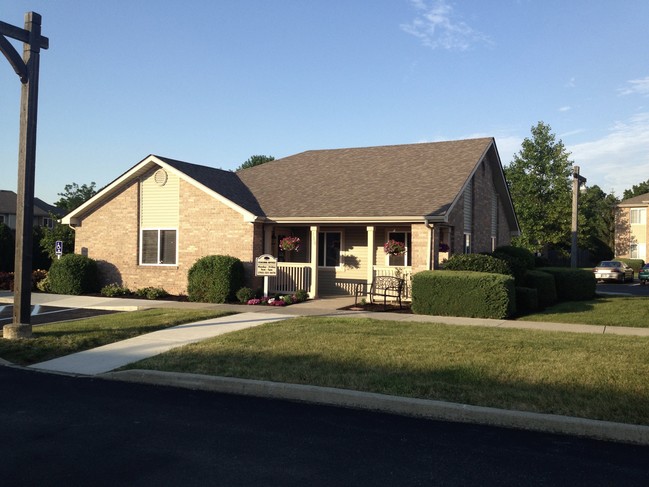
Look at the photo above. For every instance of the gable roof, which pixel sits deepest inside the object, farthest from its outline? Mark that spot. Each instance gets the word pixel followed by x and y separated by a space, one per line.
pixel 641 200
pixel 412 182
pixel 8 205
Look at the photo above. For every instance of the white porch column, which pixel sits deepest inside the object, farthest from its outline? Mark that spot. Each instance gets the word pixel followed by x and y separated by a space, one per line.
pixel 268 239
pixel 370 257
pixel 313 292
pixel 436 237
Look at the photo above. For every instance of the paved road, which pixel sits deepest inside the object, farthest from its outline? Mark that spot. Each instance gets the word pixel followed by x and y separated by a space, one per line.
pixel 59 430
pixel 634 289
pixel 43 315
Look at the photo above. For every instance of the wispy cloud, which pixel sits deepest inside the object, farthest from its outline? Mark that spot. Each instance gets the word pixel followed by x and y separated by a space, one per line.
pixel 618 160
pixel 565 109
pixel 636 87
pixel 571 83
pixel 439 27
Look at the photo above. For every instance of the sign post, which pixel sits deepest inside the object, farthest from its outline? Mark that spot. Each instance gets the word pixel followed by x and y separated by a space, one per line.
pixel 266 266
pixel 58 248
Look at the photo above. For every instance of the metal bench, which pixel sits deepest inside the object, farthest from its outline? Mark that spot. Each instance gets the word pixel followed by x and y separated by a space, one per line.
pixel 386 286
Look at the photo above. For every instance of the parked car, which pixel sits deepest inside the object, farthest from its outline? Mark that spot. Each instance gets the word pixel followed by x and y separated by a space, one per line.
pixel 613 270
pixel 643 275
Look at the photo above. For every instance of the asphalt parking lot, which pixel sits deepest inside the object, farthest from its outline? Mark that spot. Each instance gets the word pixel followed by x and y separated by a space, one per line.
pixel 45 315
pixel 632 288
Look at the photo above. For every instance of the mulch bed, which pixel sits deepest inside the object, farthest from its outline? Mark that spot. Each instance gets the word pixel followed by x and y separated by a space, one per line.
pixel 379 308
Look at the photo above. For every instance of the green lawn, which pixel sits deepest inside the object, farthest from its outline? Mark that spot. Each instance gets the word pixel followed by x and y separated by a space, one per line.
pixel 593 376
pixel 604 310
pixel 60 339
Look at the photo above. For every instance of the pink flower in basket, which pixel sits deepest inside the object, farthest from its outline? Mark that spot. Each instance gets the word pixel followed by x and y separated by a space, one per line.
pixel 394 247
pixel 288 244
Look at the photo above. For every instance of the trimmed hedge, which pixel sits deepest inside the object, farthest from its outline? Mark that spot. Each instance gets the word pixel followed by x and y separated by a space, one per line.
pixel 635 264
pixel 477 263
pixel 463 293
pixel 545 286
pixel 526 300
pixel 572 284
pixel 520 260
pixel 215 279
pixel 73 274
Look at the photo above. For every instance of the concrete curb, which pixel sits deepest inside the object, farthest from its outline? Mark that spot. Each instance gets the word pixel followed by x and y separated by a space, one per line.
pixel 424 408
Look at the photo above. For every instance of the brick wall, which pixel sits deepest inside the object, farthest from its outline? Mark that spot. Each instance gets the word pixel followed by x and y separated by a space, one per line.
pixel 110 235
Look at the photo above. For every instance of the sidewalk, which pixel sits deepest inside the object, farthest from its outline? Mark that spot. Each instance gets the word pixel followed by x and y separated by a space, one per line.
pixel 101 361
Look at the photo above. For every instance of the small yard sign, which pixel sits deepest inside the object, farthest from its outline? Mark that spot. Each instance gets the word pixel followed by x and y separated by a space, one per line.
pixel 266 265
pixel 58 248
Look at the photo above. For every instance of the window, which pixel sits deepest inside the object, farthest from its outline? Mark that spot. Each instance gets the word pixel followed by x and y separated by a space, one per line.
pixel 2 219
pixel 47 222
pixel 638 216
pixel 329 249
pixel 158 247
pixel 404 259
pixel 467 243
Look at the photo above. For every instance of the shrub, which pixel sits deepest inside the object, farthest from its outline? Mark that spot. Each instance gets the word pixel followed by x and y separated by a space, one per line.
pixel 526 300
pixel 245 294
pixel 635 264
pixel 215 279
pixel 114 289
pixel 573 284
pixel 73 274
pixel 522 255
pixel 472 294
pixel 288 299
pixel 545 287
pixel 7 281
pixel 301 295
pixel 151 293
pixel 520 260
pixel 37 276
pixel 477 263
pixel 44 285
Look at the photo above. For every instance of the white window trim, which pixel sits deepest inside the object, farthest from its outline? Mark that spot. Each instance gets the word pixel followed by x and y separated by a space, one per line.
pixel 464 246
pixel 157 264
pixel 407 257
pixel 642 216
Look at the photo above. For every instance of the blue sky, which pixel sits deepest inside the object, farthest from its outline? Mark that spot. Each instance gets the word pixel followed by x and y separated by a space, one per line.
pixel 214 82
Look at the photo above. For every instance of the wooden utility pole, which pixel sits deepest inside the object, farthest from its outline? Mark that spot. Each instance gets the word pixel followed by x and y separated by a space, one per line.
pixel 577 181
pixel 27 69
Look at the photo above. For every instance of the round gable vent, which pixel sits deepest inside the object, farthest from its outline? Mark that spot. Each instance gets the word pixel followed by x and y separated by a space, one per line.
pixel 160 177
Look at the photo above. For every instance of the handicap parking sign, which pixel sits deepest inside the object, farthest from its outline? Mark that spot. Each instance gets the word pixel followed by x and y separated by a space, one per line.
pixel 58 247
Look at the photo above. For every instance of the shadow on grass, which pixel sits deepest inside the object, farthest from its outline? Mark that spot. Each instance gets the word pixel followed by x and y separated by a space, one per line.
pixel 463 384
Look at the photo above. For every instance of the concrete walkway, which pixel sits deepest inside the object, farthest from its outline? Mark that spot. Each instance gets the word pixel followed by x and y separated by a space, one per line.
pixel 110 357
pixel 115 355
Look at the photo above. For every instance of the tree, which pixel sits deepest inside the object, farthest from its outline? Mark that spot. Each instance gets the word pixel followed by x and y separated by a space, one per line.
pixel 7 249
pixel 50 236
pixel 74 196
pixel 255 161
pixel 636 190
pixel 597 223
pixel 539 182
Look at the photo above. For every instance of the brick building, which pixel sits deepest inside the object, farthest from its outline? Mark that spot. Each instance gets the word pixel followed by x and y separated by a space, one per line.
pixel 149 226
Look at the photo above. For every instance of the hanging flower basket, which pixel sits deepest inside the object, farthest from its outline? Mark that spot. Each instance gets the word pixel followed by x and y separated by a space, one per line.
pixel 287 244
pixel 393 247
pixel 443 247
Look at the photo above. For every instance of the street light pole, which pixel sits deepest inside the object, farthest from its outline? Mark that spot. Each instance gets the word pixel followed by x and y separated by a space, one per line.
pixel 27 69
pixel 577 180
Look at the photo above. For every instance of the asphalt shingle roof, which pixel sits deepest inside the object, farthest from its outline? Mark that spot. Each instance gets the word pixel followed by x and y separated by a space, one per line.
pixel 398 180
pixel 636 200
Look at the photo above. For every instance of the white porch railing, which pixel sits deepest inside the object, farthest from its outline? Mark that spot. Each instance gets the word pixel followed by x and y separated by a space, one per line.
pixel 290 277
pixel 404 273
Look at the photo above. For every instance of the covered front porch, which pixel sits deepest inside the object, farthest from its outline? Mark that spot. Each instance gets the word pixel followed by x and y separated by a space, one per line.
pixel 333 259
